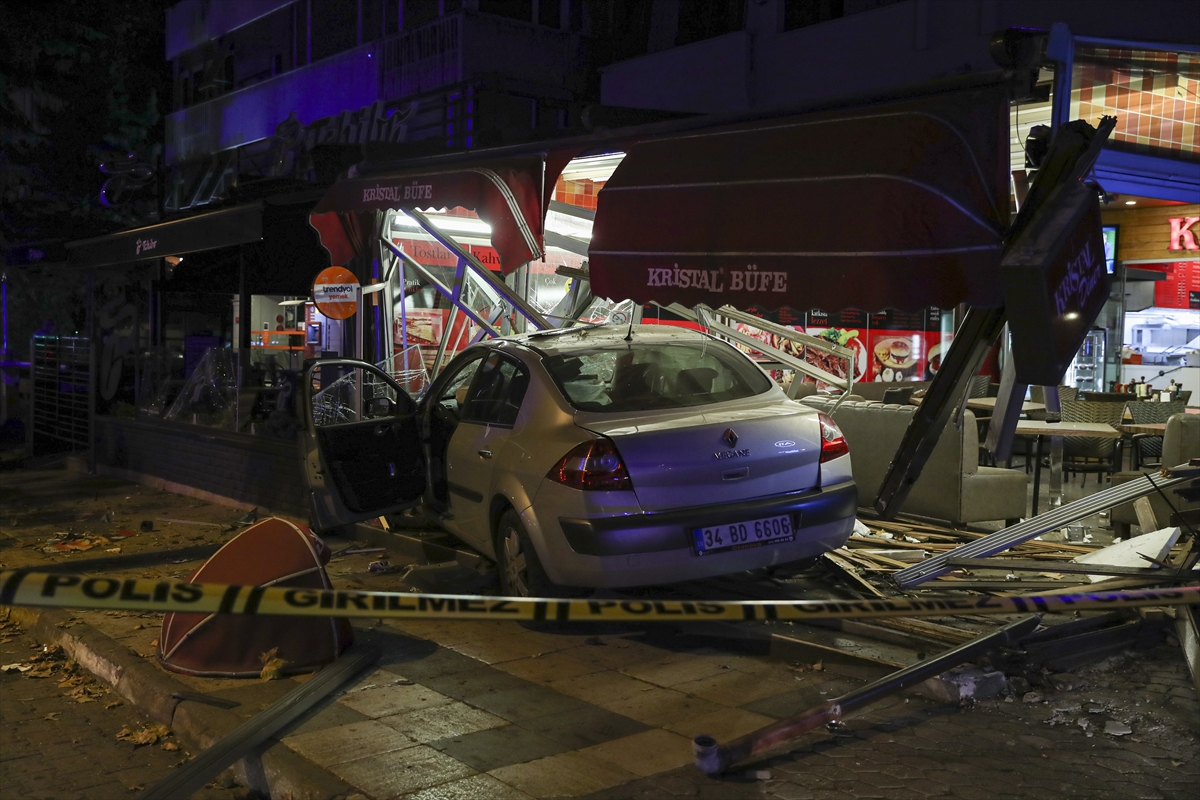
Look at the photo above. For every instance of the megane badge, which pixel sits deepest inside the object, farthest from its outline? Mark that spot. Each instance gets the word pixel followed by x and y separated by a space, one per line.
pixel 730 437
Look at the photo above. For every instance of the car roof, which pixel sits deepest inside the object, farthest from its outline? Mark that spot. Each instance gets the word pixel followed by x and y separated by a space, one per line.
pixel 564 339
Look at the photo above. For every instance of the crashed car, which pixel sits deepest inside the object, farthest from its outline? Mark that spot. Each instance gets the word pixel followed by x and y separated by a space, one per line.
pixel 588 457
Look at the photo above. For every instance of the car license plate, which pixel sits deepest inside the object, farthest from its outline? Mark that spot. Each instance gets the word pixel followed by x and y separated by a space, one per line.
pixel 739 535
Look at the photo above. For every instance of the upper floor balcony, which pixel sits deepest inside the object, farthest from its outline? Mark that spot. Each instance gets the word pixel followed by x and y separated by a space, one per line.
pixel 450 50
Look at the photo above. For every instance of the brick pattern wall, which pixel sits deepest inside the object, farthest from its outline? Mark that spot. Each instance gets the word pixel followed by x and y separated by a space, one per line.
pixel 1150 92
pixel 577 193
pixel 255 470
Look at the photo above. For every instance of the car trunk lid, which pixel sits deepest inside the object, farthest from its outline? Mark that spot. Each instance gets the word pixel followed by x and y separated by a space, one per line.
pixel 715 454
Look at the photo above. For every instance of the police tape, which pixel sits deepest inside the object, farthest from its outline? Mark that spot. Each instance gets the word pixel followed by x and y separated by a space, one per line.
pixel 21 588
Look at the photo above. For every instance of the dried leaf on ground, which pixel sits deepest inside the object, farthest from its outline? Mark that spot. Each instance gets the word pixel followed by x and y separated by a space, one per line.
pixel 170 746
pixel 271 665
pixel 147 735
pixel 16 668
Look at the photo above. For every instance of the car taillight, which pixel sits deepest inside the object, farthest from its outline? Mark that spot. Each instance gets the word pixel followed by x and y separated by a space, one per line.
pixel 833 443
pixel 592 466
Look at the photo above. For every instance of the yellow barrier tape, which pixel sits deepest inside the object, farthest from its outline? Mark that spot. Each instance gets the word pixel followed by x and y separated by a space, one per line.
pixel 76 591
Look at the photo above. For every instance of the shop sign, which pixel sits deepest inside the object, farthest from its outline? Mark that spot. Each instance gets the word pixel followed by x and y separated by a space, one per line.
pixel 1055 283
pixel 335 293
pixel 1182 237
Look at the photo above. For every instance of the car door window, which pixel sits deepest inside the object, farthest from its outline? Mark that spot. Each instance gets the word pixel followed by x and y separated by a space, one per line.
pixel 495 396
pixel 347 394
pixel 453 394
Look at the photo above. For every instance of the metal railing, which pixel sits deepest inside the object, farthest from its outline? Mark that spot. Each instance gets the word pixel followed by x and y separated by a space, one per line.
pixel 61 370
pixel 423 59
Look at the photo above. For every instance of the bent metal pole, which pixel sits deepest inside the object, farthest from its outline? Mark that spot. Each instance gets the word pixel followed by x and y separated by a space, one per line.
pixel 713 758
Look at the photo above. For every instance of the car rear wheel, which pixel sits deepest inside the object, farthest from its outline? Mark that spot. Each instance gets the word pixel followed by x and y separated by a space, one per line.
pixel 521 572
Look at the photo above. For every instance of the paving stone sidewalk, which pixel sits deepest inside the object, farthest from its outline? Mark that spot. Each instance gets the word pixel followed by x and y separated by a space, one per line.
pixel 506 710
pixel 55 747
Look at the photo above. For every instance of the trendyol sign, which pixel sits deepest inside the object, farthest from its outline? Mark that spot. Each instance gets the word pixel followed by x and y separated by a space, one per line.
pixel 335 293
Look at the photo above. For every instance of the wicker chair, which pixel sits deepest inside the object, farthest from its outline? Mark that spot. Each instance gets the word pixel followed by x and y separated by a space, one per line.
pixel 979 386
pixel 1085 454
pixel 1147 447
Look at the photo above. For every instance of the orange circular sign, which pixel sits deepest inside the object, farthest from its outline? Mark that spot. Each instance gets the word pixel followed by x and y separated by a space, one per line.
pixel 335 291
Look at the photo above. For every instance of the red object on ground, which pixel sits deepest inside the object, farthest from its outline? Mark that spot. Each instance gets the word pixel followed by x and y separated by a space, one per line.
pixel 272 552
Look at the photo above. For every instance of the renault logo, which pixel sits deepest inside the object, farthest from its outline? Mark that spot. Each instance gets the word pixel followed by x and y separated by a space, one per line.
pixel 730 437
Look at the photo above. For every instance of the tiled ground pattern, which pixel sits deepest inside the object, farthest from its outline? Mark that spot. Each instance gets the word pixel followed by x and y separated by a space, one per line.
pixel 608 716
pixel 499 710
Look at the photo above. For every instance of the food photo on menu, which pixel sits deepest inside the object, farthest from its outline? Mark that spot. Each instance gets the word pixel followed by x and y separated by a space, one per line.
pixel 897 342
pixel 845 328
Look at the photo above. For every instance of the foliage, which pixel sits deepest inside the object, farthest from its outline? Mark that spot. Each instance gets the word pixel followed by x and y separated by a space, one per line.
pixel 80 83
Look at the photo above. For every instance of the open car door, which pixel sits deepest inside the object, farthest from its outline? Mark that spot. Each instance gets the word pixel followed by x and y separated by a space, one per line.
pixel 361 445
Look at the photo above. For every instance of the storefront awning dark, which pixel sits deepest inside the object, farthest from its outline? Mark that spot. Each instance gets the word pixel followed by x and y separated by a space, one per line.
pixel 892 205
pixel 510 195
pixel 223 228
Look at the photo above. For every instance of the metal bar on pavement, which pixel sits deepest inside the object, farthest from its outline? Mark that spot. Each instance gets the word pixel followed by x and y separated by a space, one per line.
pixel 1014 535
pixel 1069 568
pixel 713 759
pixel 258 729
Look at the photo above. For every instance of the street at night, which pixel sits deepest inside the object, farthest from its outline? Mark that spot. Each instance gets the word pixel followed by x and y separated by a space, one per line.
pixel 473 399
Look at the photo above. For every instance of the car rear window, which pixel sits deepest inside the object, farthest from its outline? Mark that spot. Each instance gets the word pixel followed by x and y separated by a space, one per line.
pixel 648 375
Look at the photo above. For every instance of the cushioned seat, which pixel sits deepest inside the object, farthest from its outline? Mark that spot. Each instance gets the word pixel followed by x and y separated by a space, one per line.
pixel 952 487
pixel 1180 442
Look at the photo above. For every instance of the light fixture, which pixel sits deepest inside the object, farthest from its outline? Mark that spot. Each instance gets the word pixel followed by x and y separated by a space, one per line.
pixel 174 261
pixel 1131 202
pixel 592 168
pixel 443 223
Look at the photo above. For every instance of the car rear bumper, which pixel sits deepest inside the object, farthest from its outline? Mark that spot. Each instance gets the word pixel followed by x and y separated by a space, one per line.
pixel 656 547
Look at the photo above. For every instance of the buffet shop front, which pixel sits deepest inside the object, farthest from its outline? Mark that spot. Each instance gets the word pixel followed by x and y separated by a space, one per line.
pixel 857 237
pixel 858 222
pixel 199 334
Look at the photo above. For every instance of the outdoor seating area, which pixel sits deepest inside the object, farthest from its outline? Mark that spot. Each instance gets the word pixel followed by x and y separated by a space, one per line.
pixel 1114 441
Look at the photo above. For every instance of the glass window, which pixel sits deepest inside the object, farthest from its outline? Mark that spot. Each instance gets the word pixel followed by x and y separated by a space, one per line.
pixel 496 395
pixel 348 394
pixel 1152 93
pixel 335 25
pixel 705 19
pixel 453 394
pixel 418 12
pixel 513 9
pixel 647 376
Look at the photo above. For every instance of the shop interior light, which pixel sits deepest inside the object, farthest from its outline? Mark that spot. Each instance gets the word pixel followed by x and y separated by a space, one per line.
pixel 568 225
pixel 592 168
pixel 1131 202
pixel 443 223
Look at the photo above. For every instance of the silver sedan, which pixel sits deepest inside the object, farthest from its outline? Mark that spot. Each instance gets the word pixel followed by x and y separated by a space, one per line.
pixel 587 457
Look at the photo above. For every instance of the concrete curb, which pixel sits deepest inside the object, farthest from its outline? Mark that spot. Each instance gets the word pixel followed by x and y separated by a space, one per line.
pixel 277 772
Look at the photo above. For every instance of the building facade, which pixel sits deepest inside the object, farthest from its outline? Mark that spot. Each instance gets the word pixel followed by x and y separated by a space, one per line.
pixel 266 89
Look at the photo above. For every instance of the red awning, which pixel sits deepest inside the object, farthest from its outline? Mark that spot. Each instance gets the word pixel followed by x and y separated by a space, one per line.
pixel 510 195
pixel 895 205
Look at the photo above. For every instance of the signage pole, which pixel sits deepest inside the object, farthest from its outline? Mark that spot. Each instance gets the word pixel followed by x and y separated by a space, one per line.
pixel 358 353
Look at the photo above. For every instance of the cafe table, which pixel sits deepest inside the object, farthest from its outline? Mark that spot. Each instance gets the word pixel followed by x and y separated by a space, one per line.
pixel 986 404
pixel 1041 429
pixel 989 404
pixel 1151 428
